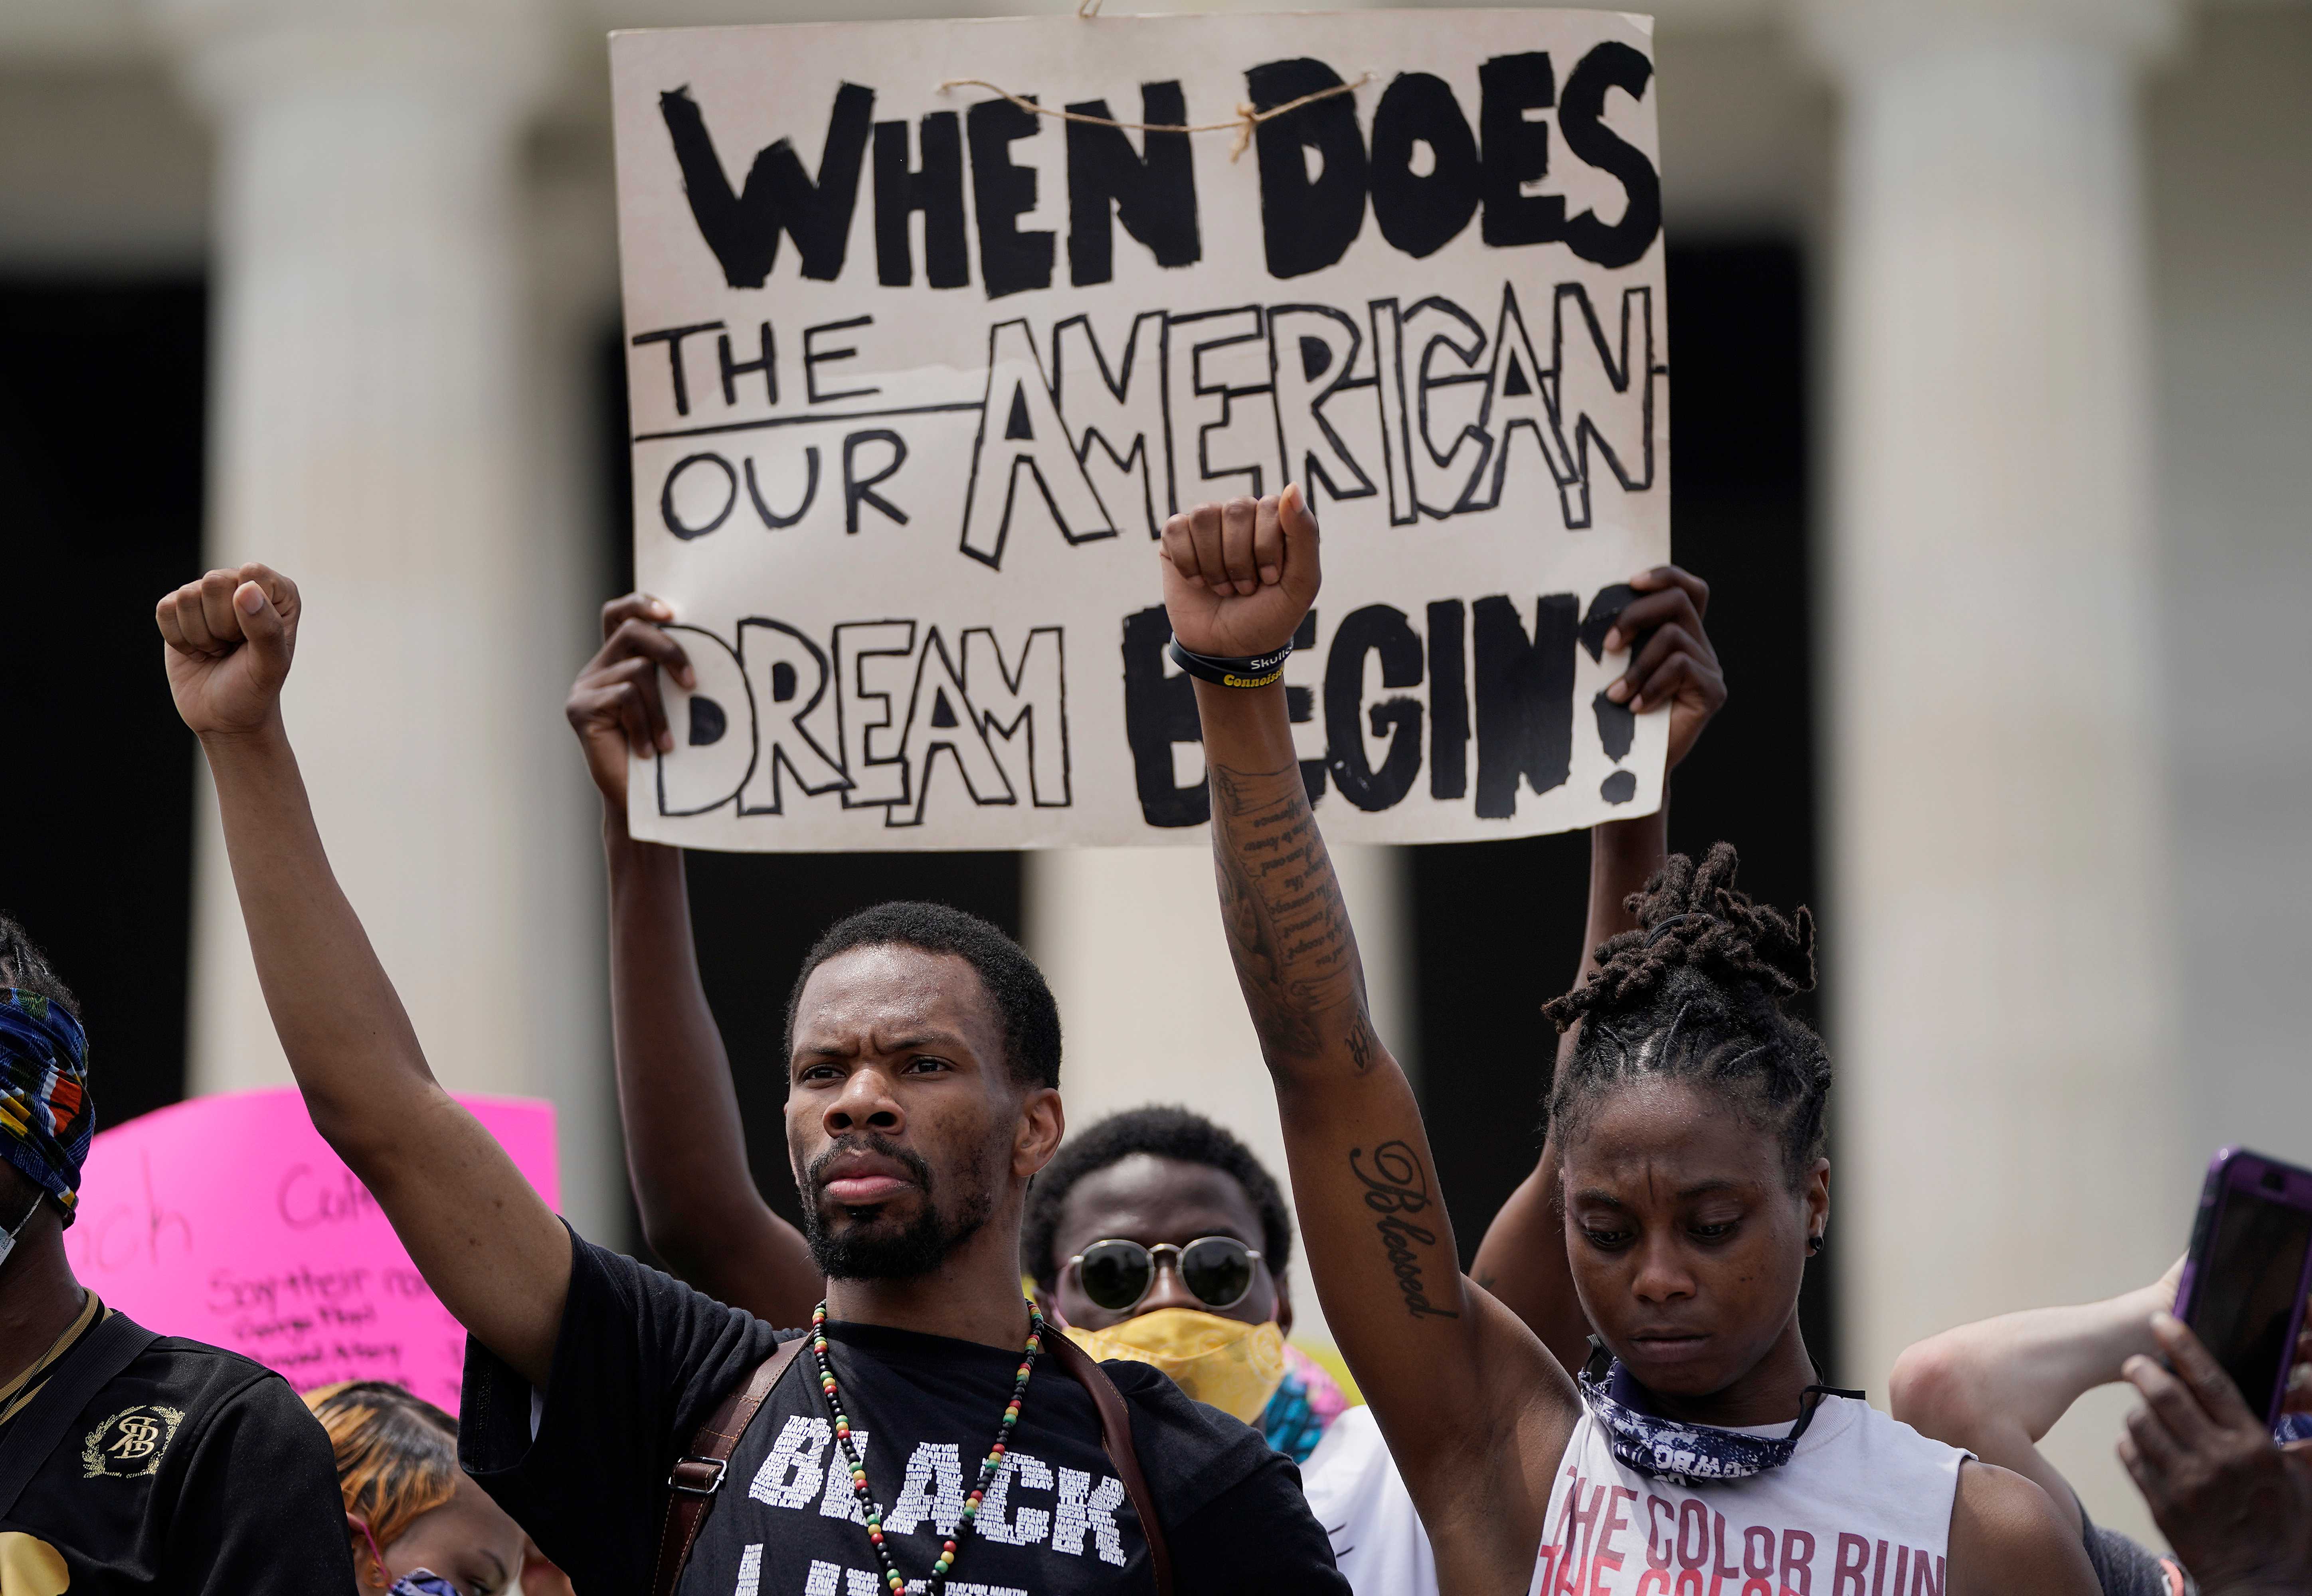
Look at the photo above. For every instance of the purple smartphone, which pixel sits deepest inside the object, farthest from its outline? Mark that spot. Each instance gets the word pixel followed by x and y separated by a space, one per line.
pixel 2249 1268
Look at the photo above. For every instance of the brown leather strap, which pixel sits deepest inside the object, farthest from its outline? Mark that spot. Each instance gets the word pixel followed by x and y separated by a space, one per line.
pixel 1115 1437
pixel 697 1475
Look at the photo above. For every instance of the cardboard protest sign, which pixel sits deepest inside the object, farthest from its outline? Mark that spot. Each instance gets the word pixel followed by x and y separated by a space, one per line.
pixel 229 1219
pixel 917 372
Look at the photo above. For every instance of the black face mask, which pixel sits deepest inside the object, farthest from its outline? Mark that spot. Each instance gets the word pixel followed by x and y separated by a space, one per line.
pixel 1683 1454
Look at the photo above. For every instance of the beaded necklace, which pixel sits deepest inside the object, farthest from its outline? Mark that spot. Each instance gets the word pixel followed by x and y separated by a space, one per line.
pixel 987 1470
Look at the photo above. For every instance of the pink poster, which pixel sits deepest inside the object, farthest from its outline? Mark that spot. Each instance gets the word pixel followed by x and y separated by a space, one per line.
pixel 229 1220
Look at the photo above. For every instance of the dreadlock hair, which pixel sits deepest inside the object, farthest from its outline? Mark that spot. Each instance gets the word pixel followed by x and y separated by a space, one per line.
pixel 1177 1133
pixel 1700 992
pixel 22 965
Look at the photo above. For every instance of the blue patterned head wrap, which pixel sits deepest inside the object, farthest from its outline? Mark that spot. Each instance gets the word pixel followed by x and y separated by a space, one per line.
pixel 46 1118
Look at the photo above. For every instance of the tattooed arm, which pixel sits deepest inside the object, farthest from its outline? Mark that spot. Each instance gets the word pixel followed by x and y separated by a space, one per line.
pixel 1672 665
pixel 1476 1411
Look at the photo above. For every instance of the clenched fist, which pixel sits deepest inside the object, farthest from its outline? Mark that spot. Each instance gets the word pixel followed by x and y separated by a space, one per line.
pixel 1238 576
pixel 231 636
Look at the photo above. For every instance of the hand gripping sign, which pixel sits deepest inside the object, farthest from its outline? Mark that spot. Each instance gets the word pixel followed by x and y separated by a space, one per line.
pixel 931 325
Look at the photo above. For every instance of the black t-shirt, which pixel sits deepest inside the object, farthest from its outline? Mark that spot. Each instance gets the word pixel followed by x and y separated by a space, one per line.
pixel 193 1471
pixel 643 1359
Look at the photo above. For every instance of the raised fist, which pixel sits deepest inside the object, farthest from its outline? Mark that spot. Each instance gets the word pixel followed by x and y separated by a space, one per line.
pixel 1238 576
pixel 230 637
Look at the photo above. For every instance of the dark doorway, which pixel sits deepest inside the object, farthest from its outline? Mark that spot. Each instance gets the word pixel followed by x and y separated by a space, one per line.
pixel 1499 924
pixel 101 402
pixel 755 915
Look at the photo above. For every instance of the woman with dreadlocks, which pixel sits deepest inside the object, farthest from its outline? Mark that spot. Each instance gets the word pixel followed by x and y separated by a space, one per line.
pixel 1702 1454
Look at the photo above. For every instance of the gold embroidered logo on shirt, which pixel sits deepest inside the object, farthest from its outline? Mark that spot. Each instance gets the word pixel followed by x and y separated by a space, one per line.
pixel 130 1443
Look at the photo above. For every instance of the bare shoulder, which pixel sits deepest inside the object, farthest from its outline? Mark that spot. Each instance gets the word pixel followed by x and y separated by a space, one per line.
pixel 2006 1535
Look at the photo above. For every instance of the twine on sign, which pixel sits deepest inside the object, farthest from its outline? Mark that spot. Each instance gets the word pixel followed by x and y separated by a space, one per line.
pixel 1087 9
pixel 1246 119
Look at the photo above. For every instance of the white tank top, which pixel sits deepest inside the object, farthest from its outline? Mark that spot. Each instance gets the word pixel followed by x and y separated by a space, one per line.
pixel 1862 1508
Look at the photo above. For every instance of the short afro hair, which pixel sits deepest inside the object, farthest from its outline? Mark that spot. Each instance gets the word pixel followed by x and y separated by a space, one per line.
pixel 1031 1020
pixel 1163 1133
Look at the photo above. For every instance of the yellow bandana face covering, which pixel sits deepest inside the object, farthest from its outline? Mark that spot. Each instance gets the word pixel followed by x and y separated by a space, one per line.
pixel 1225 1363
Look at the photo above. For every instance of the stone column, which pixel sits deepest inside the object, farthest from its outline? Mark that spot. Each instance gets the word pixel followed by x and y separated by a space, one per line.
pixel 369 437
pixel 1130 939
pixel 1999 935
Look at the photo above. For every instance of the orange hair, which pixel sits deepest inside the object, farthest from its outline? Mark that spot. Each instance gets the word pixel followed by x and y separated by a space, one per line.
pixel 397 1453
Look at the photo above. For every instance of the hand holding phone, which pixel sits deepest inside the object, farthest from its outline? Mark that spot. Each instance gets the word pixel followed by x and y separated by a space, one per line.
pixel 2236 1509
pixel 2250 1265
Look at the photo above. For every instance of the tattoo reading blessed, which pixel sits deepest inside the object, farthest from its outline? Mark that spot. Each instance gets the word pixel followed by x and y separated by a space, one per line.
pixel 1395 1187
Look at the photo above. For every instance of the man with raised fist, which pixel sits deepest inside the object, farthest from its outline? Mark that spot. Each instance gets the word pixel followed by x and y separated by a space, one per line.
pixel 649 1438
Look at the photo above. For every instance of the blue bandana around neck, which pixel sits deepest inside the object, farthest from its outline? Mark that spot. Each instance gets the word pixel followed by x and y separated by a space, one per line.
pixel 1683 1454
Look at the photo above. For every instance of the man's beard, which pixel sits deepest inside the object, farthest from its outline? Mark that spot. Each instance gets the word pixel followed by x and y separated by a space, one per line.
pixel 871 1249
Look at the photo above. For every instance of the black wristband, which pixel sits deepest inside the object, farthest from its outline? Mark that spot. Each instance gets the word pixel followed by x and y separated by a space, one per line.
pixel 1253 670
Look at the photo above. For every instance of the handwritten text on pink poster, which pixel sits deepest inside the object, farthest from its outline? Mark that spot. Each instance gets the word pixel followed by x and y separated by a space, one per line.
pixel 229 1220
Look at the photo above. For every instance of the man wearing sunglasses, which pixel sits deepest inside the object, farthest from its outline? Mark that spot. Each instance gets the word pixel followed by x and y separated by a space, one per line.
pixel 1157 1237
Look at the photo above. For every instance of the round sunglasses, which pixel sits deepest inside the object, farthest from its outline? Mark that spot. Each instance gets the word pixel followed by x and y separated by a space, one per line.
pixel 1118 1275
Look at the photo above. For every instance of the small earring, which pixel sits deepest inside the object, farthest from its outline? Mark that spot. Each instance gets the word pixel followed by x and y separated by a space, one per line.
pixel 1813 1243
